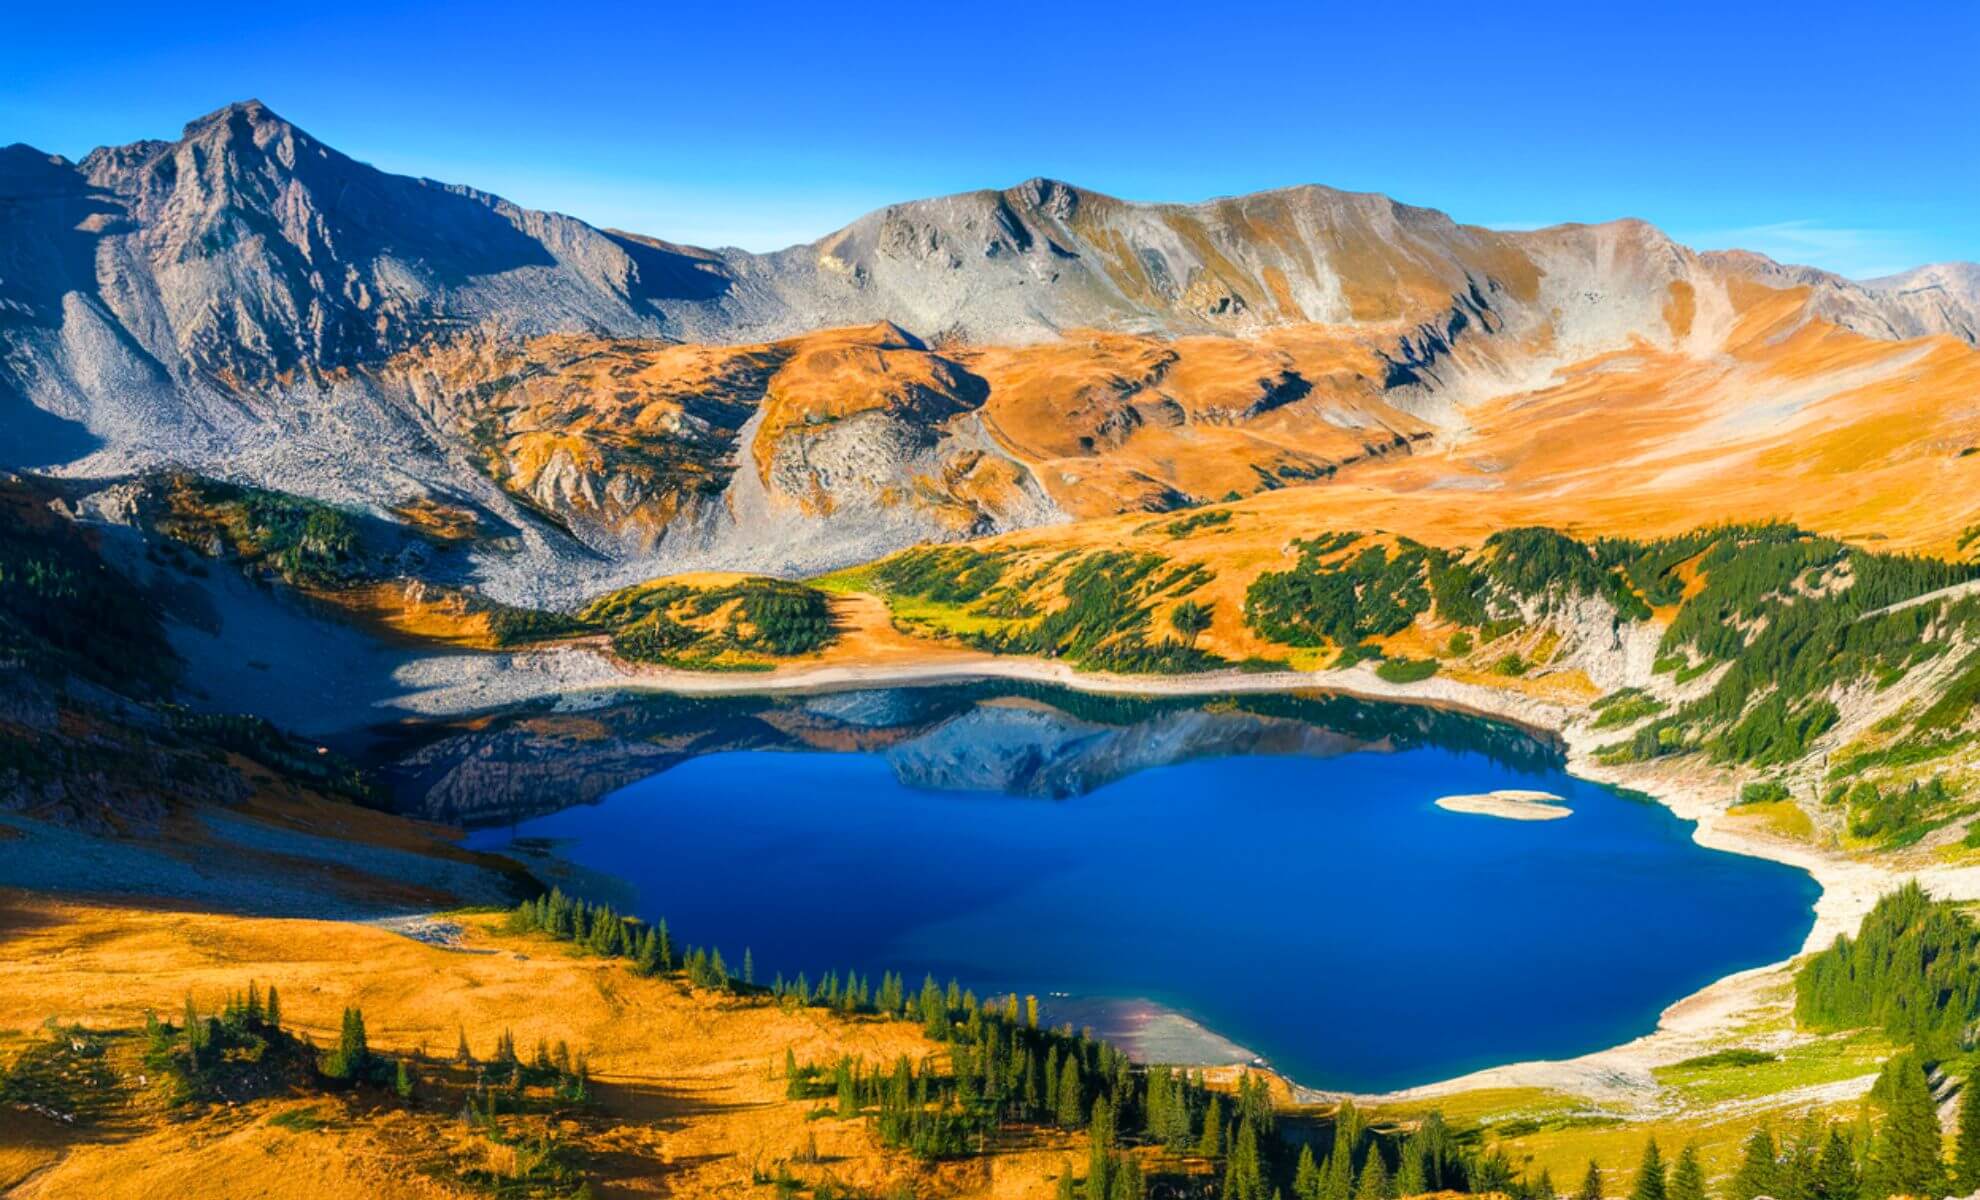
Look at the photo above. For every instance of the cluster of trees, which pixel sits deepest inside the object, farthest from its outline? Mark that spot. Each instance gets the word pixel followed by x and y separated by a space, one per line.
pixel 306 542
pixel 1912 970
pixel 1104 617
pixel 1208 518
pixel 680 625
pixel 1894 1149
pixel 599 930
pixel 944 574
pixel 512 626
pixel 1547 564
pixel 1331 597
pixel 63 609
pixel 1625 706
pixel 1791 617
pixel 1897 815
pixel 1004 1071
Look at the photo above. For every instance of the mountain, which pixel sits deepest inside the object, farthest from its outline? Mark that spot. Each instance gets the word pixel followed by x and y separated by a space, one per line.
pixel 1945 296
pixel 248 302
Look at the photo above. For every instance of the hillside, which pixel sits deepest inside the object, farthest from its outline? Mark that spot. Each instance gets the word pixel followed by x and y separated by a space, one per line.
pixel 250 303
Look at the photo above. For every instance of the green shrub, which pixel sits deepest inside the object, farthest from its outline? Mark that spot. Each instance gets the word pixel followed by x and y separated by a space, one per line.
pixel 1626 707
pixel 1736 1057
pixel 1406 670
pixel 1763 791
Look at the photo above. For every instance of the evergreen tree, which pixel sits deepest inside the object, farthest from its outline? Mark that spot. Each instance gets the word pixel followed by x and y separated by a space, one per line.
pixel 1066 1189
pixel 1908 1158
pixel 1688 1178
pixel 1800 1159
pixel 272 1009
pixel 1128 1182
pixel 1836 1175
pixel 749 967
pixel 195 1030
pixel 1374 1182
pixel 402 1082
pixel 1543 1187
pixel 1338 1182
pixel 1072 1095
pixel 1966 1153
pixel 1306 1177
pixel 1411 1179
pixel 461 1052
pixel 1244 1171
pixel 352 1056
pixel 1211 1144
pixel 1100 1146
pixel 1759 1168
pixel 1650 1183
pixel 1591 1183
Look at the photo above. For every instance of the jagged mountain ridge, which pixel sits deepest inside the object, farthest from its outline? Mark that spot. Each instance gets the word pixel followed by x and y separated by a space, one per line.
pixel 248 301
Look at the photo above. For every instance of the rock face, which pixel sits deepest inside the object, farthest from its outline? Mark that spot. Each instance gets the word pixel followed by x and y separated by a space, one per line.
pixel 250 302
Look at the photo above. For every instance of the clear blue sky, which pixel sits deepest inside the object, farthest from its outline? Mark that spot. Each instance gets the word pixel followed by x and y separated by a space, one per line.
pixel 1842 135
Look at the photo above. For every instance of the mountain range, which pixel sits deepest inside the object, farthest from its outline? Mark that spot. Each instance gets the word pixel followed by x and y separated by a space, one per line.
pixel 247 302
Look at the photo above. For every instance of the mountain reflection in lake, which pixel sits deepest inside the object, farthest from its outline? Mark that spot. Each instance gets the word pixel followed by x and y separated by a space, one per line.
pixel 1273 867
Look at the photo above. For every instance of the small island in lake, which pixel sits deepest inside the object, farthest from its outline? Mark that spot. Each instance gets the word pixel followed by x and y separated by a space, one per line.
pixel 1513 804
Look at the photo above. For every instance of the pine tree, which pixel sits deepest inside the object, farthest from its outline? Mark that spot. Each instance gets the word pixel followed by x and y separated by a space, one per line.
pixel 1966 1153
pixel 195 1030
pixel 1688 1178
pixel 1836 1175
pixel 1244 1171
pixel 1338 1177
pixel 1650 1183
pixel 1799 1161
pixel 1759 1168
pixel 1374 1182
pixel 1128 1182
pixel 1908 1153
pixel 272 1009
pixel 1306 1177
pixel 749 967
pixel 1066 1189
pixel 1411 1180
pixel 1072 1095
pixel 1543 1187
pixel 402 1083
pixel 1211 1144
pixel 461 1052
pixel 1591 1183
pixel 352 1055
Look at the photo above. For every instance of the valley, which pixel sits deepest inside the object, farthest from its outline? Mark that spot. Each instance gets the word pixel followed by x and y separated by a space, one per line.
pixel 377 554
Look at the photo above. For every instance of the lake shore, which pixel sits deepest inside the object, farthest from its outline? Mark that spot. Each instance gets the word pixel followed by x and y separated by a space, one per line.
pixel 578 677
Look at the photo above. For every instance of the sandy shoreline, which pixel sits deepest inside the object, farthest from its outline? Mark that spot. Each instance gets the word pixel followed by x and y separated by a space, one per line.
pixel 1692 1025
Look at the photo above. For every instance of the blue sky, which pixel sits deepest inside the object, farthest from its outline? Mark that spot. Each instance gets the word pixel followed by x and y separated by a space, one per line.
pixel 1846 136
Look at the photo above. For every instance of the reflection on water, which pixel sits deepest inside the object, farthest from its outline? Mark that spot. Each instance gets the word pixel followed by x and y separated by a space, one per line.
pixel 1273 868
pixel 1022 739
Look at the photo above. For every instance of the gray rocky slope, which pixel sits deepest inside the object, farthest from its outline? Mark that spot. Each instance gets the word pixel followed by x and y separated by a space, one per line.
pixel 227 301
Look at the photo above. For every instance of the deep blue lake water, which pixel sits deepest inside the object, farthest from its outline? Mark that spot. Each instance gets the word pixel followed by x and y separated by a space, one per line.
pixel 1316 908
